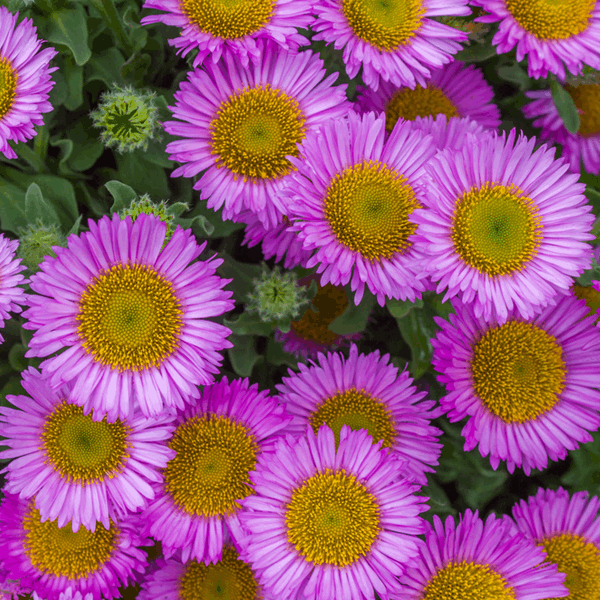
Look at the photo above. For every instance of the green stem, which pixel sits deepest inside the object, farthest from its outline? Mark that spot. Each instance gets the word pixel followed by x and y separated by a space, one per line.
pixel 108 10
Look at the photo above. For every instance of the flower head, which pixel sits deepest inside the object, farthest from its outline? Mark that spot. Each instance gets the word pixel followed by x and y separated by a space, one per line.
pixel 453 134
pixel 24 80
pixel 130 316
pixel 528 386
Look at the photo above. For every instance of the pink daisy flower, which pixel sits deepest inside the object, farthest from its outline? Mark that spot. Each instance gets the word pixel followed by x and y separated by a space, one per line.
pixel 217 444
pixel 11 294
pixel 331 521
pixel 455 90
pixel 50 559
pixel 568 529
pixel 529 387
pixel 503 226
pixel 131 317
pixel 479 559
pixel 453 134
pixel 243 151
pixel 211 26
pixel 583 146
pixel 350 201
pixel 79 469
pixel 551 36
pixel 399 42
pixel 25 76
pixel 365 392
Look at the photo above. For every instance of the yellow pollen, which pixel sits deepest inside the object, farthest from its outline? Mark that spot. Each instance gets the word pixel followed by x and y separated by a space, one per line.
pixel 496 229
pixel 518 371
pixel 8 86
pixel 254 131
pixel 228 579
pixel 552 19
pixel 81 449
pixel 468 581
pixel 385 24
pixel 579 560
pixel 61 552
pixel 591 297
pixel 330 302
pixel 587 101
pixel 129 318
pixel 367 206
pixel 229 19
pixel 358 410
pixel 332 519
pixel 210 473
pixel 409 104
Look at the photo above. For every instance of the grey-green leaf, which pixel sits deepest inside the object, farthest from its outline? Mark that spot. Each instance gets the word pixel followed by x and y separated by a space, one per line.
pixel 565 106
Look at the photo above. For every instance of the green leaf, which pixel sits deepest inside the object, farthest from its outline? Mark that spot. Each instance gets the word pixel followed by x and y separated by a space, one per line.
pixel 123 195
pixel 200 225
pixel 243 355
pixel 565 106
pixel 75 229
pixel 354 318
pixel 16 358
pixel 136 67
pixel 69 27
pixel 248 324
pixel 142 176
pixel 243 275
pixel 514 74
pixel 277 356
pixel 438 500
pixel 60 92
pixel 400 308
pixel 38 209
pixel 476 53
pixel 74 77
pixel 12 207
pixel 106 66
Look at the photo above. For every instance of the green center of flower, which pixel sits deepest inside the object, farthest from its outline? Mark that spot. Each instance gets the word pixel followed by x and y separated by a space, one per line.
pixel 59 551
pixel 210 473
pixel 367 206
pixel 358 410
pixel 552 19
pixel 518 371
pixel 468 581
pixel 496 229
pixel 587 102
pixel 82 449
pixel 129 318
pixel 332 519
pixel 228 579
pixel 229 19
pixel 385 24
pixel 409 104
pixel 579 560
pixel 8 86
pixel 254 131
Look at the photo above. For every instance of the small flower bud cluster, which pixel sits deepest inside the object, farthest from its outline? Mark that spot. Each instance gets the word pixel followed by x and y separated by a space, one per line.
pixel 36 242
pixel 146 206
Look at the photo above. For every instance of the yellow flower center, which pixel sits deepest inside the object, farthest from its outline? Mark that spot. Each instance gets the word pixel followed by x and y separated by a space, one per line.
pixel 358 410
pixel 518 371
pixel 81 449
pixel 587 101
pixel 227 579
pixel 591 297
pixel 129 318
pixel 59 551
pixel 496 229
pixel 409 104
pixel 229 19
pixel 332 519
pixel 8 86
pixel 579 560
pixel 254 131
pixel 210 473
pixel 552 19
pixel 468 581
pixel 385 24
pixel 367 206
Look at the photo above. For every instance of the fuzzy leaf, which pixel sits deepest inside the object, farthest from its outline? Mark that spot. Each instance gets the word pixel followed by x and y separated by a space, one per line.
pixel 69 27
pixel 123 195
pixel 565 106
pixel 38 209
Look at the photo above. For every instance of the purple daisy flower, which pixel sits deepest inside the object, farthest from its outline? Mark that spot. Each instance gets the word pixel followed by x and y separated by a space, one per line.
pixel 455 90
pixel 244 151
pixel 365 392
pixel 583 146
pixel 551 35
pixel 350 201
pixel 330 521
pixel 454 133
pixel 11 295
pixel 131 316
pixel 50 559
pixel 79 469
pixel 25 76
pixel 399 42
pixel 479 559
pixel 568 529
pixel 529 387
pixel 212 26
pixel 217 444
pixel 503 226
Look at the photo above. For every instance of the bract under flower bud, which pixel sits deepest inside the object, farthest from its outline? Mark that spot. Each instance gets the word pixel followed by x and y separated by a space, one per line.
pixel 144 205
pixel 36 242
